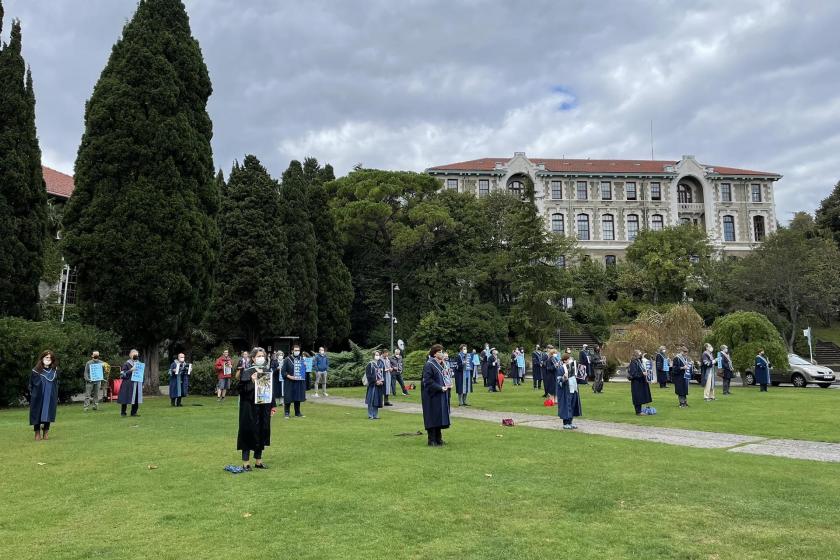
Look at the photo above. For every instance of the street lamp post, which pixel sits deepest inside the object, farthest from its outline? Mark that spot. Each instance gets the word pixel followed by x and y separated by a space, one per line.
pixel 390 316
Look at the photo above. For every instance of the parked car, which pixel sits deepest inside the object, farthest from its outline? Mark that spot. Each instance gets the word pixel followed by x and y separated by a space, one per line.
pixel 801 373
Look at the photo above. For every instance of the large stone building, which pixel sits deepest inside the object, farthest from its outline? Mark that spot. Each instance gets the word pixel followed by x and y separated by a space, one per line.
pixel 604 203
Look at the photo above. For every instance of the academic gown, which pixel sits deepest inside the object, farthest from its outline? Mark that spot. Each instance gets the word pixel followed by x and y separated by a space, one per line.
pixel 707 367
pixel 276 367
pixel 463 374
pixel 177 389
pixel 493 371
pixel 375 394
pixel 726 365
pixel 550 378
pixel 43 399
pixel 568 396
pixel 131 392
pixel 484 361
pixel 639 387
pixel 678 377
pixel 661 372
pixel 254 419
pixel 762 371
pixel 435 400
pixel 293 390
pixel 536 365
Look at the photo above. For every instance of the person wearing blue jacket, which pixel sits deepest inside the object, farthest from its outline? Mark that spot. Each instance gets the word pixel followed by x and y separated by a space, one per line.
pixel 762 370
pixel 322 364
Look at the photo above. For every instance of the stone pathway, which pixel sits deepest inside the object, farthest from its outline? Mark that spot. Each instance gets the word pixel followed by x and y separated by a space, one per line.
pixel 756 445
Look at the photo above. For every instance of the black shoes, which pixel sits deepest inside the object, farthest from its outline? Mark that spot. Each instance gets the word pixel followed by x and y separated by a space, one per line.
pixel 246 468
pixel 260 466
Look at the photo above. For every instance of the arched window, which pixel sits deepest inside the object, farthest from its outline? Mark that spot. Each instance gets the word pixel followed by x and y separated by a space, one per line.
pixel 516 188
pixel 557 223
pixel 684 194
pixel 728 228
pixel 657 223
pixel 607 227
pixel 632 226
pixel 758 228
pixel 583 227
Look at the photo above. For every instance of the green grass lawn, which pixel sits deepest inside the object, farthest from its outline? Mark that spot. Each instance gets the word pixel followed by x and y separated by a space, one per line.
pixel 341 486
pixel 785 412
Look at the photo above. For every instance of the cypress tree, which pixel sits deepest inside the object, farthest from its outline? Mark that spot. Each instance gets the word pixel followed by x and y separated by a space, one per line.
pixel 23 196
pixel 252 296
pixel 141 224
pixel 335 286
pixel 300 237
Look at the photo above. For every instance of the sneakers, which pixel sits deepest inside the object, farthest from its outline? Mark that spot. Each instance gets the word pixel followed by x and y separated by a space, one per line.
pixel 326 394
pixel 567 427
pixel 315 395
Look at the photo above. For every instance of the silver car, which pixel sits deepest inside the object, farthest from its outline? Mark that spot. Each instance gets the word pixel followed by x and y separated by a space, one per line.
pixel 801 373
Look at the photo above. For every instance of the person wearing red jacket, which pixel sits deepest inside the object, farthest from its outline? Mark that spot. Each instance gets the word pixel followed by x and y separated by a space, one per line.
pixel 223 372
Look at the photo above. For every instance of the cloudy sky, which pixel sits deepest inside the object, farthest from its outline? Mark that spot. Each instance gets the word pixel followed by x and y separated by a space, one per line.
pixel 408 84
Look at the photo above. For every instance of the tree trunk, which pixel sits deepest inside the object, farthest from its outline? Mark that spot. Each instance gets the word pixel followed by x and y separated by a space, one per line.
pixel 151 357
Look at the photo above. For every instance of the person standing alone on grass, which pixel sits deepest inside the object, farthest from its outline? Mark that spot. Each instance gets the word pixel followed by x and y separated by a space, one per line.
pixel 254 419
pixel 435 396
pixel 397 367
pixel 463 376
pixel 131 392
pixel 725 368
pixel 682 376
pixel 599 364
pixel 92 387
pixel 224 369
pixel 762 370
pixel 179 379
pixel 389 381
pixel 663 367
pixel 568 395
pixel 639 385
pixel 294 382
pixel 375 376
pixel 322 364
pixel 43 394
pixel 537 367
pixel 707 377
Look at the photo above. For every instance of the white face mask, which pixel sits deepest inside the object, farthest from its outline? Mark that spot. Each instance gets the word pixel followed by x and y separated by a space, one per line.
pixel 297 353
pixel 322 352
pixel 376 358
pixel 260 361
pixel 181 359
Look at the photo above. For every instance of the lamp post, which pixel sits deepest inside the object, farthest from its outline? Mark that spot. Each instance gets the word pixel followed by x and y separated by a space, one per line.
pixel 390 316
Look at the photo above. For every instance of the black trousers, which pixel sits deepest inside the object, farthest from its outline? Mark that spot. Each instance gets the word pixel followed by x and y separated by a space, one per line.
pixel 246 454
pixel 435 435
pixel 764 387
pixel 399 379
pixel 176 401
pixel 43 425
pixel 537 381
pixel 134 408
pixel 287 405
pixel 726 382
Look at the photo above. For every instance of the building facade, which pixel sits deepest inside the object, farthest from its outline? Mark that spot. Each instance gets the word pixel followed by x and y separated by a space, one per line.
pixel 605 203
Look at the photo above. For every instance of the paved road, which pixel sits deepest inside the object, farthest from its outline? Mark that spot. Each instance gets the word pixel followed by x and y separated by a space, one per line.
pixel 734 443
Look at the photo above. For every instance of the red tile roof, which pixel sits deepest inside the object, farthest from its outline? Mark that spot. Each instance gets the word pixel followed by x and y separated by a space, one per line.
pixel 58 184
pixel 591 166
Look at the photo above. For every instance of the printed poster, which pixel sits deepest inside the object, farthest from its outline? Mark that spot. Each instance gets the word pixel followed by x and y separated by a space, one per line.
pixel 96 372
pixel 139 372
pixel 264 387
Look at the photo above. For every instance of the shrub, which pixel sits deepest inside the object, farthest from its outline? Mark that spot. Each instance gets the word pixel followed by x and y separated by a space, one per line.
pixel 413 364
pixel 680 325
pixel 456 324
pixel 745 332
pixel 22 341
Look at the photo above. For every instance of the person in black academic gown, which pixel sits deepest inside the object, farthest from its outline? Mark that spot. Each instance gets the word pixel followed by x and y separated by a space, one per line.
pixel 435 396
pixel 294 380
pixel 43 394
pixel 682 367
pixel 485 358
pixel 131 392
pixel 550 377
pixel 536 367
pixel 179 379
pixel 663 367
pixel 254 419
pixel 463 376
pixel 639 387
pixel 493 370
pixel 375 394
pixel 568 394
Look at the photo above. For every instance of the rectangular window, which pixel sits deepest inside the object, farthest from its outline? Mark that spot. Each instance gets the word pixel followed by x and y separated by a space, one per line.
pixel 725 192
pixel 581 190
pixel 452 184
pixel 483 187
pixel 728 228
pixel 606 190
pixel 656 191
pixel 756 193
pixel 583 227
pixel 630 189
pixel 632 227
pixel 556 190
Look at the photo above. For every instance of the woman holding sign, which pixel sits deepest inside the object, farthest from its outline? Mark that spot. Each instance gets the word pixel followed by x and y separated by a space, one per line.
pixel 254 411
pixel 131 390
pixel 294 379
pixel 43 394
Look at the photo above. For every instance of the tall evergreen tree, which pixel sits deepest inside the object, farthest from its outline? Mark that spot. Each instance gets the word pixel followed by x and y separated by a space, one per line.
pixel 23 197
pixel 335 286
pixel 252 295
pixel 141 225
pixel 300 236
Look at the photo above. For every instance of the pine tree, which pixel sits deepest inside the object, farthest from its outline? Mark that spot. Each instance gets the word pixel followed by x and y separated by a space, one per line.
pixel 252 296
pixel 335 286
pixel 141 225
pixel 23 197
pixel 303 275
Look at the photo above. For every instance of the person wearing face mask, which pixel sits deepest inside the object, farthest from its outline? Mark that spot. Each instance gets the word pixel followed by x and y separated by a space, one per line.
pixel 493 370
pixel 224 368
pixel 131 392
pixel 322 364
pixel 389 380
pixel 435 396
pixel 244 363
pixel 463 376
pixel 254 419
pixel 568 394
pixel 397 373
pixel 179 379
pixel 374 397
pixel 485 358
pixel 639 385
pixel 276 365
pixel 43 394
pixel 92 388
pixel 681 376
pixel 294 381
pixel 762 371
